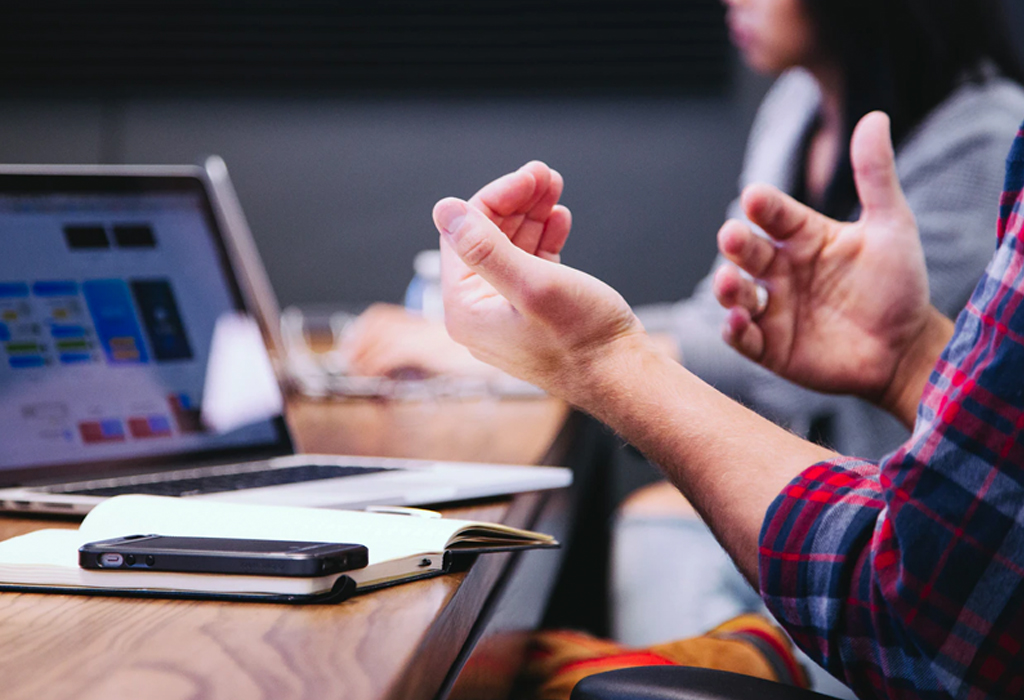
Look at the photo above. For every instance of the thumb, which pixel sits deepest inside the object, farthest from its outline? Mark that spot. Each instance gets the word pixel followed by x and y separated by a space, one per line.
pixel 484 249
pixel 874 168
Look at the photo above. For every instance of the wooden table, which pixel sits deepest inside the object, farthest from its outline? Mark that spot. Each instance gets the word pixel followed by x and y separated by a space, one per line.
pixel 457 635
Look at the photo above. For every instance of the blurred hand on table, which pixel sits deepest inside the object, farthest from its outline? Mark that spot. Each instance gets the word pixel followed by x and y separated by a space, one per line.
pixel 388 341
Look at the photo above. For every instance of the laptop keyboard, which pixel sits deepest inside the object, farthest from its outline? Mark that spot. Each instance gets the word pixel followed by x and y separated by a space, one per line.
pixel 216 483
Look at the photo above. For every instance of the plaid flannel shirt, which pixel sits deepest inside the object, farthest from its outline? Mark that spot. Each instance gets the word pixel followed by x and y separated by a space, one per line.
pixel 906 577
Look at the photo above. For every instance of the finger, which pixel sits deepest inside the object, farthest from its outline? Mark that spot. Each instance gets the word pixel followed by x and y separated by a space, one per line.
pixel 556 231
pixel 364 364
pixel 781 216
pixel 549 189
pixel 365 338
pixel 396 361
pixel 733 289
pixel 743 334
pixel 355 338
pixel 533 186
pixel 358 351
pixel 742 247
pixel 874 168
pixel 526 234
pixel 520 202
pixel 530 229
pixel 508 194
pixel 483 249
pixel 380 364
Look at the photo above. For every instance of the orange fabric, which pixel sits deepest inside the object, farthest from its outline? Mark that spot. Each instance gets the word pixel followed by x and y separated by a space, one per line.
pixel 559 659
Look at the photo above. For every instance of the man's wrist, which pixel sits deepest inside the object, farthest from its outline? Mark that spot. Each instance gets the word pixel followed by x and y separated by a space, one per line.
pixel 598 381
pixel 904 392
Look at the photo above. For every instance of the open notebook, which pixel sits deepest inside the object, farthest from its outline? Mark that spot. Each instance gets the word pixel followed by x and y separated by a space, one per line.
pixel 401 548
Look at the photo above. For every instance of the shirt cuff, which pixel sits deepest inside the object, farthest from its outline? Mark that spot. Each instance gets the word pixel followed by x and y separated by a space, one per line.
pixel 815 537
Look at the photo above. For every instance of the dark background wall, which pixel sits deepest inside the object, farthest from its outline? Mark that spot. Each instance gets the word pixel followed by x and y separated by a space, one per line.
pixel 339 192
pixel 338 183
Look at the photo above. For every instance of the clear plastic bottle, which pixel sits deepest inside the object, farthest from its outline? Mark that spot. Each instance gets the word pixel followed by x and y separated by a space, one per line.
pixel 423 295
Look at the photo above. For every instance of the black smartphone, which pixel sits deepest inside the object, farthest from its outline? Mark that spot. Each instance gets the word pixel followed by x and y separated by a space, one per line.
pixel 219 555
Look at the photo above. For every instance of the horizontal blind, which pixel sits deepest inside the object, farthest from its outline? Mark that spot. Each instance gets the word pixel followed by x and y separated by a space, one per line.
pixel 140 46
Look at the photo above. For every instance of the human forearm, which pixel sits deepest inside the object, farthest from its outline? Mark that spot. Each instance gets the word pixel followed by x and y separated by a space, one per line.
pixel 730 462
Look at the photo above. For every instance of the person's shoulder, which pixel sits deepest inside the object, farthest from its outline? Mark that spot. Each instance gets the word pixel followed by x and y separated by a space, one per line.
pixel 795 84
pixel 782 119
pixel 984 111
pixel 792 96
pixel 993 102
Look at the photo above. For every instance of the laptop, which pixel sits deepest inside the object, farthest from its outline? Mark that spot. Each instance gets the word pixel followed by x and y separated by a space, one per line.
pixel 129 298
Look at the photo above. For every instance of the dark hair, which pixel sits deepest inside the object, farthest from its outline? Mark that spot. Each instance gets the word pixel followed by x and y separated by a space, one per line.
pixel 905 57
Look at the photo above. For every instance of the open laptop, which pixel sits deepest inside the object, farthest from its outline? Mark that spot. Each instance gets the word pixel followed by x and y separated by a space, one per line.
pixel 115 283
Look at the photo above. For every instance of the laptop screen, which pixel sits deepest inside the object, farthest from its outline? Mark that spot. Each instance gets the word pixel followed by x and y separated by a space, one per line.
pixel 110 290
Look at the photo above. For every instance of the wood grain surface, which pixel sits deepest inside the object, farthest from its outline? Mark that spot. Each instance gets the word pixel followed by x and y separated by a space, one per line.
pixel 514 431
pixel 395 643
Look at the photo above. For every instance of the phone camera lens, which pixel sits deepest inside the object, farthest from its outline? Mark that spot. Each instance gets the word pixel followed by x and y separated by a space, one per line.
pixel 150 560
pixel 129 559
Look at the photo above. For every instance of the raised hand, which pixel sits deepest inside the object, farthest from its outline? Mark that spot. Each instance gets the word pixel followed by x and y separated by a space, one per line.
pixel 848 308
pixel 387 341
pixel 521 311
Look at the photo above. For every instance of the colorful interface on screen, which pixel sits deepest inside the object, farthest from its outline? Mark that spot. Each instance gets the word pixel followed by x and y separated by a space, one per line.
pixel 107 308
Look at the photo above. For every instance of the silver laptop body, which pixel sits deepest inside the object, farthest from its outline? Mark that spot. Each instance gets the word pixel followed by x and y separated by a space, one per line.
pixel 134 312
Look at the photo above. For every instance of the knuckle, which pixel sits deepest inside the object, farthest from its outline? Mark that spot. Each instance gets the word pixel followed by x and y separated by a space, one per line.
pixel 773 211
pixel 476 249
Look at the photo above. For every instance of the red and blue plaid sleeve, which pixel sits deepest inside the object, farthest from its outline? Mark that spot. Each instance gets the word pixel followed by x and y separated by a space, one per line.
pixel 906 578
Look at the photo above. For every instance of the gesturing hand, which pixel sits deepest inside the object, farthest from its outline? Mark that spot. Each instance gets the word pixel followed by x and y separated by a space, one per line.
pixel 848 302
pixel 516 308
